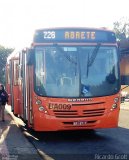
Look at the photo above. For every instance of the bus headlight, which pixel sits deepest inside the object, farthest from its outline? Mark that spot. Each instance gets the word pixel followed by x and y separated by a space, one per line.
pixel 42 109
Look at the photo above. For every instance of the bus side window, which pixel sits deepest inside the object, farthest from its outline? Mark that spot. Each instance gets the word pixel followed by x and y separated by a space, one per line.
pixel 20 72
pixel 20 66
pixel 16 68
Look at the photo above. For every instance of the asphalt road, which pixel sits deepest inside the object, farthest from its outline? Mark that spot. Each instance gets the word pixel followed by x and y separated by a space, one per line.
pixel 83 145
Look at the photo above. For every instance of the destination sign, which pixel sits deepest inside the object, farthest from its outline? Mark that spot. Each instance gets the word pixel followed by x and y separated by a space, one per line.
pixel 74 35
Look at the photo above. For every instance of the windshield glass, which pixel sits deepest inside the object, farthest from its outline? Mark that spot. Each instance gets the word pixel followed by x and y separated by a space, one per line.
pixel 76 71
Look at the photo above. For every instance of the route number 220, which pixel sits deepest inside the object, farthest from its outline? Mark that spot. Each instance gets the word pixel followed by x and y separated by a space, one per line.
pixel 49 34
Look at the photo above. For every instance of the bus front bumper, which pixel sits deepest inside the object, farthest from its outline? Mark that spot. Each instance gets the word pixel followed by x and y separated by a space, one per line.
pixel 44 122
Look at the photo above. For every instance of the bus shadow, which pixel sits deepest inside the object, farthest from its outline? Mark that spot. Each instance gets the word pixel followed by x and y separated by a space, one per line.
pixel 60 136
pixel 76 135
pixel 76 144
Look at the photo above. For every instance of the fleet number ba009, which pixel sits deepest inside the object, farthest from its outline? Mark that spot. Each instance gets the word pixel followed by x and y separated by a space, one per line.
pixel 79 123
pixel 56 106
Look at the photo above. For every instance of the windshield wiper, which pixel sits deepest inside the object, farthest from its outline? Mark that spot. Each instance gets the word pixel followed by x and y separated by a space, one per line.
pixel 66 55
pixel 93 56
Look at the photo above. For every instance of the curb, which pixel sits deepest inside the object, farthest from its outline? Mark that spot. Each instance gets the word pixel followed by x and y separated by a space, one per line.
pixel 19 123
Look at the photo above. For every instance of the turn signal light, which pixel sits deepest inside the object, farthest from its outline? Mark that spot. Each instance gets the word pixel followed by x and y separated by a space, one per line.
pixel 114 106
pixel 42 109
pixel 116 100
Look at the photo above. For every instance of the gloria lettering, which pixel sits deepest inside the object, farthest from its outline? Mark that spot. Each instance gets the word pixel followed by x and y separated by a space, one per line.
pixel 80 99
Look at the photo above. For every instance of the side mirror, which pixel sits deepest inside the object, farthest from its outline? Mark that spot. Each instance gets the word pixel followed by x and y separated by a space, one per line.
pixel 124 79
pixel 124 68
pixel 30 57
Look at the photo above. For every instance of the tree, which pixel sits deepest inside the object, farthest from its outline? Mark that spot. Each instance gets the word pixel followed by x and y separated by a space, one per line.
pixel 121 29
pixel 4 53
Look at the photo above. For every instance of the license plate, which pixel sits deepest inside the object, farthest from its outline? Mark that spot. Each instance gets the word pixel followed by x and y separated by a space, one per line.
pixel 79 123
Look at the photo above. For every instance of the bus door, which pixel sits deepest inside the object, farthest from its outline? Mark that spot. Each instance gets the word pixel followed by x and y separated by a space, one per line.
pixel 15 86
pixel 11 85
pixel 22 86
pixel 29 86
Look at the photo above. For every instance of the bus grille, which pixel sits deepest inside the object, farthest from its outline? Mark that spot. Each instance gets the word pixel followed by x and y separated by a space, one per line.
pixel 66 114
pixel 94 112
pixel 75 114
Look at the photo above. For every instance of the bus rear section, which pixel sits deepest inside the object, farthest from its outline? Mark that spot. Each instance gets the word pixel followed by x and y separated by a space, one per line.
pixel 12 68
pixel 70 80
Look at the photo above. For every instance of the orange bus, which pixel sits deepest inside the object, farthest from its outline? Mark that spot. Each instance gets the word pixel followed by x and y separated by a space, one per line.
pixel 70 80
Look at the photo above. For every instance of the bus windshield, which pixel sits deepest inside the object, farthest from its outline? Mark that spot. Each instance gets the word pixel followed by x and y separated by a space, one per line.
pixel 76 71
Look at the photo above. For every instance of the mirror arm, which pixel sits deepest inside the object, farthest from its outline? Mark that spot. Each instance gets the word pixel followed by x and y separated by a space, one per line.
pixel 124 87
